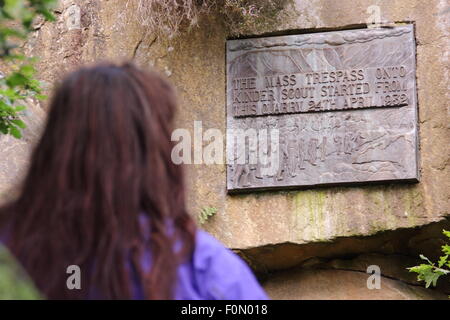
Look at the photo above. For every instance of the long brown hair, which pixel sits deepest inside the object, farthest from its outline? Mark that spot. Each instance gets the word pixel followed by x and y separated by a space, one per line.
pixel 103 163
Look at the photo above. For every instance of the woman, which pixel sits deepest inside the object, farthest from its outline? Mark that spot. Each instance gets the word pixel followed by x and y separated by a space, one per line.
pixel 102 193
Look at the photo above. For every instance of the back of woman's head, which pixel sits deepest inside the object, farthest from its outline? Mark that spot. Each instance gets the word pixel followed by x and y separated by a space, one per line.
pixel 102 165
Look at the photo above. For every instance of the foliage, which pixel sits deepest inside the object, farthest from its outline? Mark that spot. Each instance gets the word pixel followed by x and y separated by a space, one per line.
pixel 251 15
pixel 16 22
pixel 430 272
pixel 168 17
pixel 165 17
pixel 206 213
pixel 14 283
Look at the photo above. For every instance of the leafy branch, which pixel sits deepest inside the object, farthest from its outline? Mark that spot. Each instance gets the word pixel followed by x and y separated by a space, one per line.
pixel 206 213
pixel 430 272
pixel 16 22
pixel 170 17
pixel 14 282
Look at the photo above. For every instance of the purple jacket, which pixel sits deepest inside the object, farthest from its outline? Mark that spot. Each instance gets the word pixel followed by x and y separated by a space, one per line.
pixel 213 273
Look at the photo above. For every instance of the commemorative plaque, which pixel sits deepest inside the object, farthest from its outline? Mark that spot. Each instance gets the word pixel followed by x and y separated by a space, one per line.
pixel 341 106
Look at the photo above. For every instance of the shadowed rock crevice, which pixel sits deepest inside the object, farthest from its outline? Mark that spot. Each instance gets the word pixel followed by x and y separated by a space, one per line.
pixel 330 284
pixel 392 251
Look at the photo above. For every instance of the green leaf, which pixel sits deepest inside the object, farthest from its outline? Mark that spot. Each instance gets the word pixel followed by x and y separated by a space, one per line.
pixel 41 96
pixel 430 278
pixel 425 258
pixel 442 260
pixel 19 108
pixel 15 132
pixel 3 127
pixel 206 213
pixel 446 249
pixel 27 70
pixel 13 7
pixel 10 32
pixel 14 56
pixel 19 123
pixel 19 83
pixel 442 271
pixel 16 79
pixel 8 110
pixel 5 14
pixel 27 20
pixel 421 268
pixel 10 94
pixel 47 14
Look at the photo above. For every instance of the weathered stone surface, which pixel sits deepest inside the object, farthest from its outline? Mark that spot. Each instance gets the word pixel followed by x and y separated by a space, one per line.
pixel 343 103
pixel 316 284
pixel 325 214
pixel 391 266
pixel 409 243
pixel 195 64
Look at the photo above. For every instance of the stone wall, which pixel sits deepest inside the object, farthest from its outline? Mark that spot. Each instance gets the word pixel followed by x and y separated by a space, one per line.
pixel 283 229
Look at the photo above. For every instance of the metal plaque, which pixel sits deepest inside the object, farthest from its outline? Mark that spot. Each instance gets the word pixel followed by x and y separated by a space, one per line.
pixel 342 106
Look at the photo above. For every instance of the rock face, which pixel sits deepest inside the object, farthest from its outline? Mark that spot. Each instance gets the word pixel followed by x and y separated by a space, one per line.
pixel 313 284
pixel 271 229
